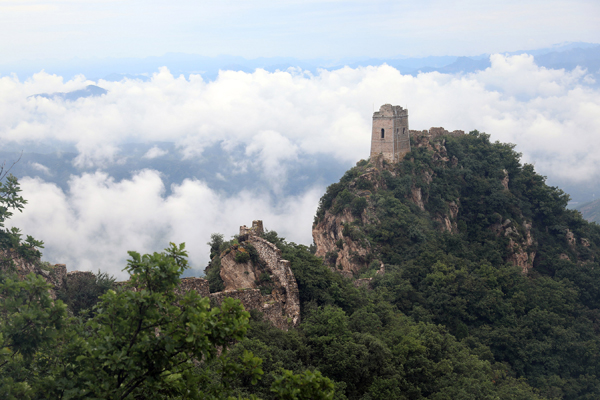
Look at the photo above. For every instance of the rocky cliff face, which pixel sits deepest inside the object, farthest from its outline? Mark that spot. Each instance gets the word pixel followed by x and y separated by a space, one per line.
pixel 333 238
pixel 520 246
pixel 54 274
pixel 337 234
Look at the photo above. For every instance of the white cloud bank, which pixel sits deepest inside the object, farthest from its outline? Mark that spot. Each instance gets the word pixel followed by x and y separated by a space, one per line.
pixel 98 220
pixel 552 115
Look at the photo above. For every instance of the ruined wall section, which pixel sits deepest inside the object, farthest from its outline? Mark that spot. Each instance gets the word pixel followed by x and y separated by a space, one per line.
pixel 198 285
pixel 285 291
pixel 54 274
pixel 251 299
pixel 256 229
pixel 281 306
pixel 270 272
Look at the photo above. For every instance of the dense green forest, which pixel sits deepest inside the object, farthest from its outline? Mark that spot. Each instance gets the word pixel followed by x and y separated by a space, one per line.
pixel 452 317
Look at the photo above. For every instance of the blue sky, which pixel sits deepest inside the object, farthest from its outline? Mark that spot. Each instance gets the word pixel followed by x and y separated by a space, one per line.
pixel 31 29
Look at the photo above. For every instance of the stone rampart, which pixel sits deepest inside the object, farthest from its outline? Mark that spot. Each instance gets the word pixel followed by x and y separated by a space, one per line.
pixel 199 285
pixel 252 299
pixel 435 133
pixel 281 306
pixel 286 288
pixel 256 230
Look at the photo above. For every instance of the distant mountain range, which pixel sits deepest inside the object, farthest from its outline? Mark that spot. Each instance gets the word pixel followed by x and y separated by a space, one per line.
pixel 591 211
pixel 88 91
pixel 566 55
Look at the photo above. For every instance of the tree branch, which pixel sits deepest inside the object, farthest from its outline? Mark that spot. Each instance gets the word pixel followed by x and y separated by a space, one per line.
pixel 3 173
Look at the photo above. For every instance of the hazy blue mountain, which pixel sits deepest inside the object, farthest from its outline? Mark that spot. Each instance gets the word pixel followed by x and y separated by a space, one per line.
pixel 557 48
pixel 565 55
pixel 590 211
pixel 88 91
pixel 585 57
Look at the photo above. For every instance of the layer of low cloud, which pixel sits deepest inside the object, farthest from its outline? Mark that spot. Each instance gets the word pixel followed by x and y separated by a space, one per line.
pixel 95 223
pixel 275 119
pixel 552 115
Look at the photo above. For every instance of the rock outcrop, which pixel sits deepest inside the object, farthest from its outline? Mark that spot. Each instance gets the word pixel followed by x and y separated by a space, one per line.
pixel 254 266
pixel 54 274
pixel 238 274
pixel 521 249
pixel 448 221
pixel 335 239
pixel 333 231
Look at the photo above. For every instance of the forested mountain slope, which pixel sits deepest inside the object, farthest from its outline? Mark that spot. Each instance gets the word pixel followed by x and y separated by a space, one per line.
pixel 475 282
pixel 478 243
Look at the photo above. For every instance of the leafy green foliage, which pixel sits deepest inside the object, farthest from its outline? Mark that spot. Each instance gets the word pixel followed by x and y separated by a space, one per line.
pixel 143 340
pixel 213 270
pixel 11 200
pixel 307 385
pixel 242 256
pixel 29 321
pixel 216 244
pixel 317 284
pixel 83 291
pixel 213 275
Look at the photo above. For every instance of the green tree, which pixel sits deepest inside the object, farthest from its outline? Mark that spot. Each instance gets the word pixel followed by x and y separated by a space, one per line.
pixel 29 323
pixel 308 385
pixel 146 340
pixel 83 291
pixel 10 239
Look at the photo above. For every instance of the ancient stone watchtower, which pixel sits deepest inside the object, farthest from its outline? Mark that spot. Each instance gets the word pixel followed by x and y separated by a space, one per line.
pixel 391 136
pixel 256 230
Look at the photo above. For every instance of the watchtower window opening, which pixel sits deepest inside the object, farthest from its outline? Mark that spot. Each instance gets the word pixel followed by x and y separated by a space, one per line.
pixel 382 133
pixel 403 131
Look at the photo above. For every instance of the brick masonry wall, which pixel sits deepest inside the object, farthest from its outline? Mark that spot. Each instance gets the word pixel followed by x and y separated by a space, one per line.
pixel 396 141
pixel 250 298
pixel 385 145
pixel 199 285
pixel 285 289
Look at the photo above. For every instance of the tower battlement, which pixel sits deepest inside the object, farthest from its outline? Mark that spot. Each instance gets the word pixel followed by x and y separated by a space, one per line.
pixel 391 135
